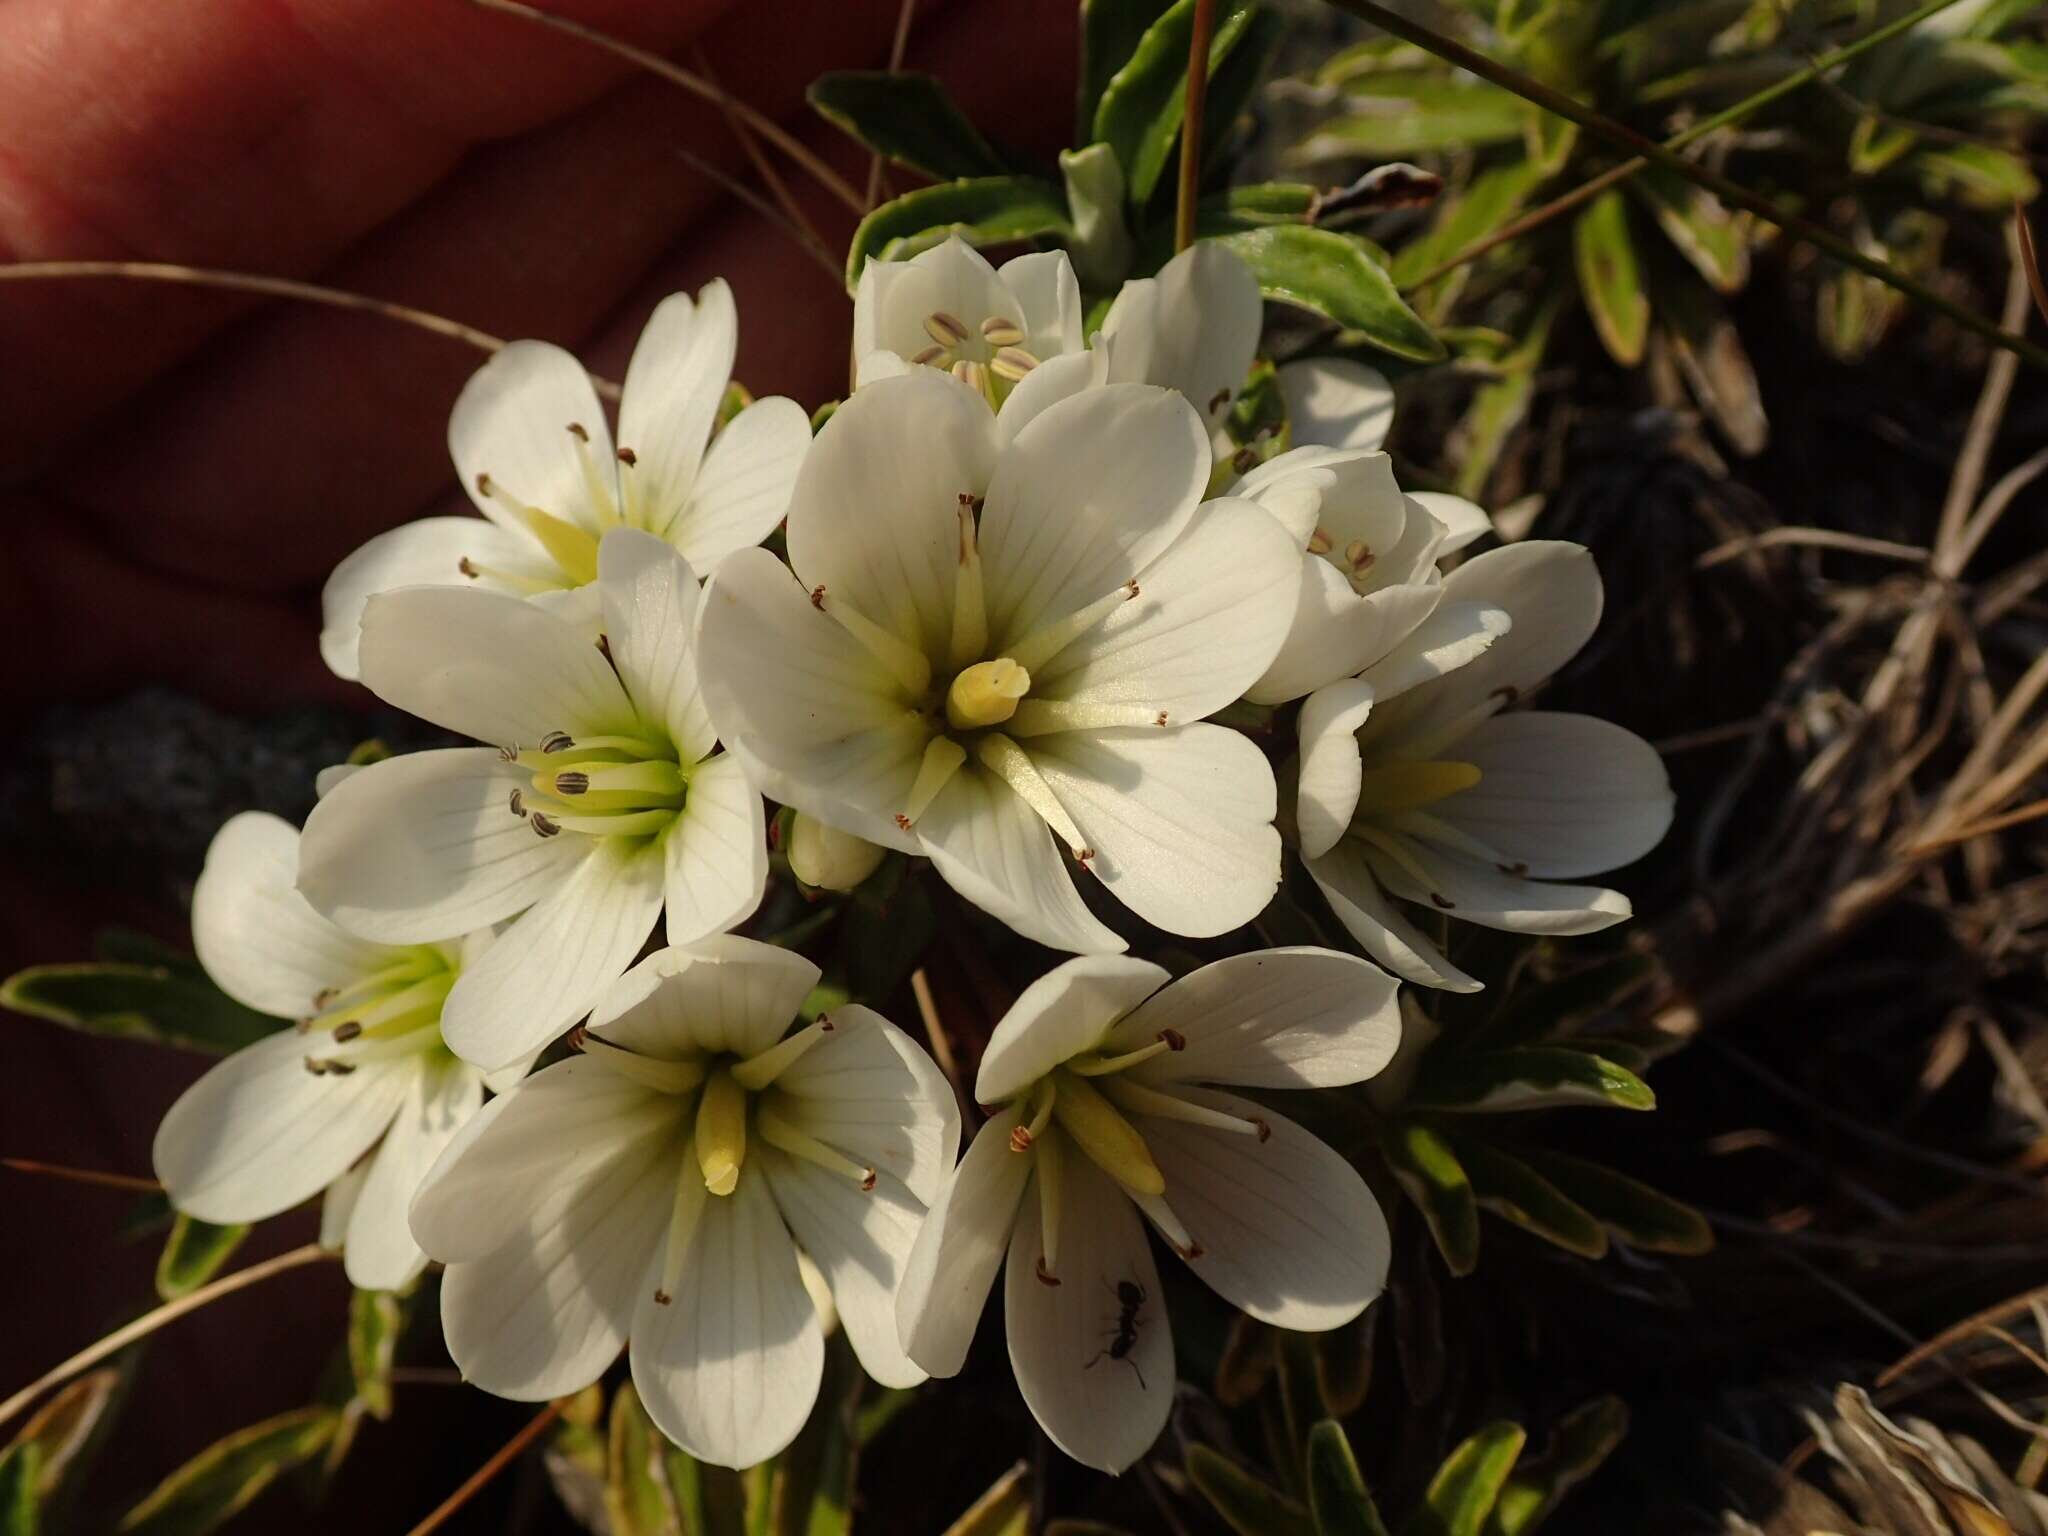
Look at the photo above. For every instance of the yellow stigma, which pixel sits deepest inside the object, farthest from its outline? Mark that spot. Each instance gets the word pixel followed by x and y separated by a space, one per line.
pixel 1410 786
pixel 1110 1140
pixel 986 694
pixel 722 1132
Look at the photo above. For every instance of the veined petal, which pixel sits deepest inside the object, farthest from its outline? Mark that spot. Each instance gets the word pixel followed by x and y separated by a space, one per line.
pixel 1336 633
pixel 259 1133
pixel 1064 1012
pixel 1193 328
pixel 1088 495
pixel 1464 521
pixel 425 847
pixel 744 485
pixel 1563 795
pixel 1274 1018
pixel 1180 819
pixel 1451 638
pixel 954 1260
pixel 488 665
pixel 729 1368
pixel 428 552
pixel 674 385
pixel 1338 402
pixel 1045 386
pixel 511 423
pixel 1332 773
pixel 1289 1231
pixel 259 939
pixel 338 1205
pixel 1346 880
pixel 650 621
pixel 716 852
pixel 868 1090
pixel 951 279
pixel 1473 892
pixel 548 969
pixel 993 849
pixel 1102 1411
pixel 1048 302
pixel 723 993
pixel 381 1253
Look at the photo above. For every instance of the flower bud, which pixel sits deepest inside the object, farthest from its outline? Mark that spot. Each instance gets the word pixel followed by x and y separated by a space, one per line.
pixel 828 858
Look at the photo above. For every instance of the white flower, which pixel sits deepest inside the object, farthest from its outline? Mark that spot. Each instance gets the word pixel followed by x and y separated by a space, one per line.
pixel 1193 327
pixel 659 1187
pixel 1336 402
pixel 1102 1071
pixel 533 451
pixel 358 1100
pixel 1414 785
pixel 990 641
pixel 598 803
pixel 1372 577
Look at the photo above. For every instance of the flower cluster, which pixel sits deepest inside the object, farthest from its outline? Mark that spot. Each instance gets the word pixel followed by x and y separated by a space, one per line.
pixel 1023 571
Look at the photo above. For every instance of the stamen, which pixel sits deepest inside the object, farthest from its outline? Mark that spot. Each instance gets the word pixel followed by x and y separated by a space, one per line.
pixel 571 547
pixel 683 1217
pixel 1137 1099
pixel 1170 1226
pixel 1046 642
pixel 568 784
pixel 1025 1134
pixel 1090 1064
pixel 1051 1170
pixel 518 802
pixel 1011 364
pixel 1358 555
pixel 986 694
pixel 929 355
pixel 1106 1136
pixel 973 375
pixel 721 1136
pixel 598 786
pixel 557 741
pixel 970 604
pixel 1320 542
pixel 595 491
pixel 518 582
pixel 1436 830
pixel 1000 331
pixel 543 825
pixel 656 1072
pixel 778 1132
pixel 1043 717
pixel 1394 847
pixel 944 329
pixel 1013 764
pixel 1408 786
pixel 559 750
pixel 611 823
pixel 761 1069
pixel 906 663
pixel 942 759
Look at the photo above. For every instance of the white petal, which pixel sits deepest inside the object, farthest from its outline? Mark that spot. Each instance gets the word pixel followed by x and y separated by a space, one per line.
pixel 259 1133
pixel 952 278
pixel 428 552
pixel 338 1206
pixel 488 665
pixel 1209 617
pixel 381 1253
pixel 1048 302
pixel 869 1091
pixel 1094 490
pixel 1288 1229
pixel 861 1241
pixel 744 486
pixel 1464 521
pixel 723 993
pixel 791 692
pixel 1450 639
pixel 1181 820
pixel 953 1263
pixel 1274 1018
pixel 1473 892
pixel 511 422
pixel 878 364
pixel 1045 386
pixel 650 619
pixel 258 938
pixel 1103 1412
pixel 1336 401
pixel 716 852
pixel 1193 328
pixel 674 386
pixel 729 1368
pixel 1566 795
pixel 993 849
pixel 1326 794
pixel 548 969
pixel 1291 486
pixel 425 847
pixel 1066 1011
pixel 1346 880
pixel 875 518
pixel 1337 633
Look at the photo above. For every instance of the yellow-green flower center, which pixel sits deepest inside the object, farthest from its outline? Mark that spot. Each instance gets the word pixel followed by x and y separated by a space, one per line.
pixel 393 1011
pixel 603 786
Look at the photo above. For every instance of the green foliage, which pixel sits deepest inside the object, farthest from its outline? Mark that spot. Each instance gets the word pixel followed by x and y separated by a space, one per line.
pixel 1461 1496
pixel 908 117
pixel 1330 273
pixel 987 210
pixel 193 1254
pixel 21 1472
pixel 1528 1077
pixel 1582 1440
pixel 1432 1177
pixel 376 1320
pixel 1611 279
pixel 1248 1505
pixel 1139 114
pixel 1336 1491
pixel 165 999
pixel 230 1474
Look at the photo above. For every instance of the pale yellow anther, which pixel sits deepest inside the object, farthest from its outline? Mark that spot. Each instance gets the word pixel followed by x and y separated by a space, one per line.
pixel 1320 542
pixel 1110 1140
pixel 973 375
pixel 986 694
pixel 721 1132
pixel 1409 786
pixel 944 329
pixel 999 331
pixel 930 354
pixel 1011 363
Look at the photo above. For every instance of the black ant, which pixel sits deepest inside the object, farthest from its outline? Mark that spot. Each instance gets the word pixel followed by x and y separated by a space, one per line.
pixel 1130 1297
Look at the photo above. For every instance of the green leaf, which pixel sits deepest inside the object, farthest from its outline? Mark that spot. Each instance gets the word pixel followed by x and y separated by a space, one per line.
pixel 21 1475
pixel 1140 112
pixel 1462 1493
pixel 1708 350
pixel 1583 1439
pixel 1336 1492
pixel 1344 1359
pixel 635 1500
pixel 1236 80
pixel 1610 278
pixel 813 1482
pixel 193 1255
pixel 60 1430
pixel 1253 206
pixel 1329 273
pixel 1493 198
pixel 1247 1505
pixel 1512 1190
pixel 1976 175
pixel 1631 1211
pixel 1498 407
pixel 990 210
pixel 1713 239
pixel 1390 117
pixel 375 1321
pixel 228 1475
pixel 1528 1077
pixel 1431 1175
pixel 1110 33
pixel 908 117
pixel 158 1003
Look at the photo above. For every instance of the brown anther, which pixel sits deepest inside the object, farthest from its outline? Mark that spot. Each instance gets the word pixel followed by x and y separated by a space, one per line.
pixel 346 1031
pixel 929 355
pixel 508 754
pixel 1175 1040
pixel 316 1066
pixel 662 1298
pixel 1193 1251
pixel 1020 1138
pixel 467 566
pixel 825 1023
pixel 341 1068
pixel 484 488
pixel 576 431
pixel 944 328
pixel 867 1180
pixel 1244 461
pixel 1083 855
pixel 1320 542
pixel 544 826
pixel 1265 1128
pixel 578 1037
pixel 1516 869
pixel 303 1026
pixel 902 822
pixel 628 457
pixel 604 646
pixel 325 996
pixel 1012 363
pixel 1442 900
pixel 1131 589
pixel 557 741
pixel 818 598
pixel 1218 400
pixel 1045 1276
pixel 518 802
pixel 572 783
pixel 1160 718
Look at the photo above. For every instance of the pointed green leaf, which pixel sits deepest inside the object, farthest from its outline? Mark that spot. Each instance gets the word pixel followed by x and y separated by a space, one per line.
pixel 1976 175
pixel 1630 1210
pixel 1140 113
pixel 1511 1190
pixel 1247 1505
pixel 1709 235
pixel 907 117
pixel 21 1475
pixel 1388 117
pixel 1329 273
pixel 230 1474
pixel 812 1493
pixel 1236 80
pixel 1344 1359
pixel 193 1255
pixel 1493 198
pixel 1336 1492
pixel 375 1321
pixel 161 1004
pixel 990 210
pixel 1110 33
pixel 1462 1493
pixel 1528 1077
pixel 1583 1439
pixel 1610 278
pixel 1253 206
pixel 59 1431
pixel 1431 1176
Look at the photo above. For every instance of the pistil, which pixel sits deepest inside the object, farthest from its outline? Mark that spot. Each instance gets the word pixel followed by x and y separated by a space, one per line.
pixel 1106 1136
pixel 721 1132
pixel 1407 786
pixel 986 694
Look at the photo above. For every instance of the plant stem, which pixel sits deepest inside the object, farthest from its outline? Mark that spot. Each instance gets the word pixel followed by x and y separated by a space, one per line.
pixel 505 1455
pixel 1614 176
pixel 1736 196
pixel 1191 123
pixel 93 1176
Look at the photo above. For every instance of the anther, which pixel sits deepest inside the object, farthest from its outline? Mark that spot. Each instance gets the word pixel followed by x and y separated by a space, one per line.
pixel 315 1066
pixel 346 1031
pixel 1000 331
pixel 1160 718
pixel 557 741
pixel 1218 400
pixel 467 566
pixel 902 822
pixel 571 783
pixel 508 754
pixel 518 803
pixel 818 598
pixel 340 1068
pixel 576 431
pixel 944 329
pixel 628 457
pixel 1046 1276
pixel 929 355
pixel 1320 542
pixel 1264 1127
pixel 1518 870
pixel 1175 1040
pixel 325 996
pixel 1021 1138
pixel 1012 363
pixel 1442 900
pixel 543 826
pixel 1244 461
pixel 973 375
pixel 484 487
